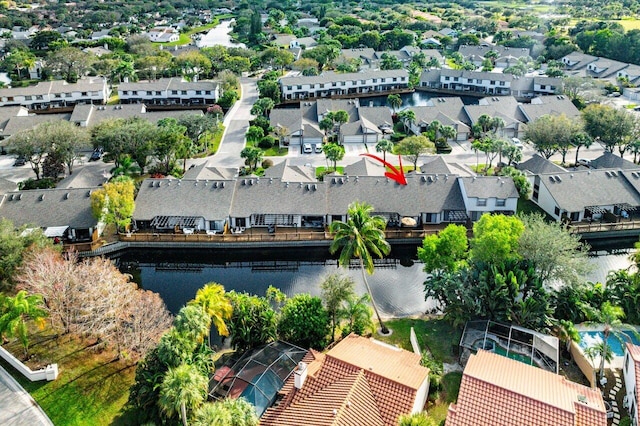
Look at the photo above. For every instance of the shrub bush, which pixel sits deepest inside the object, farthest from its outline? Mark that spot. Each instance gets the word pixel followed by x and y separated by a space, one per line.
pixel 44 183
pixel 266 142
pixel 267 163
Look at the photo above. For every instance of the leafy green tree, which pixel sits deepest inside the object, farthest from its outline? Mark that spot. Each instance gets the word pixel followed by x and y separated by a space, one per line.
pixel 70 62
pixel 215 303
pixel 495 238
pixel 336 289
pixel 14 244
pixel 16 311
pixel 197 126
pixel 579 140
pixel 609 126
pixel 304 322
pixel 340 117
pixel 394 101
pixel 175 349
pixel 390 62
pixel 33 145
pixel 253 321
pixel 145 391
pixel 550 134
pixel 170 136
pixel 445 251
pixel 519 180
pixel 229 98
pixel 413 147
pixel 254 134
pixel 114 202
pixel 66 140
pixel 262 106
pixel 183 388
pixel 19 60
pixel 252 156
pixel 361 236
pixel 623 288
pixel 127 167
pixel 558 255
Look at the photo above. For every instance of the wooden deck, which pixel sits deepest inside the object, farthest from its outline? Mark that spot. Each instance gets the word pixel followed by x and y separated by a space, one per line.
pixel 261 235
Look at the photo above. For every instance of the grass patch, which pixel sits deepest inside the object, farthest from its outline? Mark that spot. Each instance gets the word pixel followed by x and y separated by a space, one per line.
pixel 437 335
pixel 451 386
pixel 629 23
pixel 480 169
pixel 274 151
pixel 529 207
pixel 322 170
pixel 92 387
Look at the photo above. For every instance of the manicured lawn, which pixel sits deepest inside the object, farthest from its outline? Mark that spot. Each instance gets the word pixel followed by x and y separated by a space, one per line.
pixel 435 334
pixel 320 171
pixel 92 387
pixel 629 24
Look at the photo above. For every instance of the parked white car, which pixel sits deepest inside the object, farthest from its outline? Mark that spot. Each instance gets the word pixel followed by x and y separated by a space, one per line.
pixel 517 142
pixel 307 148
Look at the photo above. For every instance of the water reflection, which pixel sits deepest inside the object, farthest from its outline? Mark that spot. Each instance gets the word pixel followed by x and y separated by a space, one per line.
pixel 397 283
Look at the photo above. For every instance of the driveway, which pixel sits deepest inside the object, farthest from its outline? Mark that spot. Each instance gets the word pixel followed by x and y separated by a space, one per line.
pixel 17 408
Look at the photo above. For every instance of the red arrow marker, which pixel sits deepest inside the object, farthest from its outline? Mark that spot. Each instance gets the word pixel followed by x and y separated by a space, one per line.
pixel 395 174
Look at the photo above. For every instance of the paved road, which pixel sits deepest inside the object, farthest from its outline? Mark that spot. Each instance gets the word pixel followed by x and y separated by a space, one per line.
pixel 17 408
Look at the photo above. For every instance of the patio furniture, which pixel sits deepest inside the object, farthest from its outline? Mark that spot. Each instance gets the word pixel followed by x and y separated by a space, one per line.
pixel 211 232
pixel 188 231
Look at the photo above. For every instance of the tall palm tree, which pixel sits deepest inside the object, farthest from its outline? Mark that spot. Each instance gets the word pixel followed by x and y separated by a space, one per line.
pixel 448 132
pixel 183 387
pixel 609 317
pixel 14 314
pixel 193 323
pixel 407 117
pixel 361 236
pixel 358 312
pixel 215 303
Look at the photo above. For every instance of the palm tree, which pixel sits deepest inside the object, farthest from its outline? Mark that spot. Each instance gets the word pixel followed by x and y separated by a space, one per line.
pixel 358 312
pixel 602 350
pixel 183 386
pixel 336 289
pixel 127 167
pixel 394 101
pixel 361 236
pixel 407 117
pixel 610 318
pixel 416 419
pixel 16 311
pixel 566 332
pixel 485 122
pixel 193 322
pixel 384 146
pixel 213 300
pixel 448 132
pixel 340 117
pixel 435 126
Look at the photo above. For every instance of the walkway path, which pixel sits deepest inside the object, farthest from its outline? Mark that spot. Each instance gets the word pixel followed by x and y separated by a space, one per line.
pixel 16 405
pixel 612 397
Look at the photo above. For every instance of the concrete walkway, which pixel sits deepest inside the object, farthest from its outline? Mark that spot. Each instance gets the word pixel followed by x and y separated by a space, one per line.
pixel 17 408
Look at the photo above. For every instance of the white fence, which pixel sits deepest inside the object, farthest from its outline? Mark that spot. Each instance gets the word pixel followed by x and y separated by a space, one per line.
pixel 50 372
pixel 414 342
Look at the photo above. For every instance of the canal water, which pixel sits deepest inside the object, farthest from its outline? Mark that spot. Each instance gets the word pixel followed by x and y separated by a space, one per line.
pixel 417 98
pixel 397 283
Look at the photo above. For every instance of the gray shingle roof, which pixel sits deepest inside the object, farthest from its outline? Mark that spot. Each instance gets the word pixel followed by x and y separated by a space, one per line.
pixel 56 86
pixel 579 189
pixel 94 114
pixel 49 207
pixel 489 187
pixel 329 76
pixel 366 167
pixel 17 124
pixel 86 177
pixel 288 173
pixel 168 84
pixel 538 165
pixel 204 171
pixel 609 160
pixel 171 197
pixel 273 196
pixel 549 105
pixel 435 165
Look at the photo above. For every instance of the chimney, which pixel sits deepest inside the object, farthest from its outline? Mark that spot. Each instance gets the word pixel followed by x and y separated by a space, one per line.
pixel 300 375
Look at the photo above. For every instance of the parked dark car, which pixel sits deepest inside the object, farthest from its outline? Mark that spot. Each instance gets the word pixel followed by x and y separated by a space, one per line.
pixel 20 161
pixel 96 154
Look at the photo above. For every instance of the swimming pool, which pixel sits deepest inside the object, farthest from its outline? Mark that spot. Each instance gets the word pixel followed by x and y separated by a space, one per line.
pixel 590 338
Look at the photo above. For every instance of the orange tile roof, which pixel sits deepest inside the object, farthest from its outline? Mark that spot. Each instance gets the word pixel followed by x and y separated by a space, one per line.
pixel 339 393
pixel 499 391
pixel 634 352
pixel 405 368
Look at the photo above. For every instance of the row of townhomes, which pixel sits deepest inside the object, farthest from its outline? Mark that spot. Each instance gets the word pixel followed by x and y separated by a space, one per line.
pixel 490 83
pixel 331 84
pixel 95 90
pixel 583 65
pixel 369 124
pixel 290 197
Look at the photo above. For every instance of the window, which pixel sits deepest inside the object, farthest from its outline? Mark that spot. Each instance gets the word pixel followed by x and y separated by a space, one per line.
pixel 288 87
pixel 447 78
pixel 502 83
pixel 375 80
pixel 354 83
pixel 68 95
pixel 184 92
pixel 125 92
pixel 149 93
pixel 322 85
pixel 363 81
pixel 198 92
pixel 469 80
pixel 343 83
pixel 575 216
pixel 455 78
pixel 84 93
pixel 57 95
pixel 299 87
pixel 481 202
pixel 39 97
pixel 492 82
pixel 403 78
pixel 478 81
pixel 501 202
pixel 556 211
pixel 158 93
pixel 206 92
pixel 543 87
pixel 28 98
pixel 334 84
pixel 174 92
